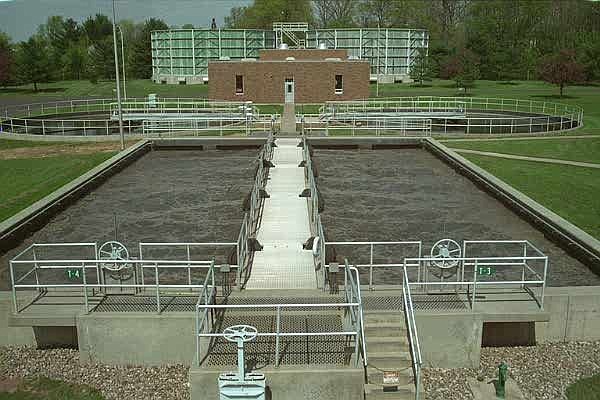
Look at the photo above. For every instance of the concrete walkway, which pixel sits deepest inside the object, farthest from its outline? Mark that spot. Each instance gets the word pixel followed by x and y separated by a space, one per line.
pixel 283 264
pixel 501 139
pixel 288 119
pixel 526 158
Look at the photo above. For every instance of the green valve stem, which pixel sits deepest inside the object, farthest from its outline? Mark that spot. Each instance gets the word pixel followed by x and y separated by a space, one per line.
pixel 501 384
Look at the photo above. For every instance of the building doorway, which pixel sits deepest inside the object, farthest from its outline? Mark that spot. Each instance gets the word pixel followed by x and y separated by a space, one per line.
pixel 289 90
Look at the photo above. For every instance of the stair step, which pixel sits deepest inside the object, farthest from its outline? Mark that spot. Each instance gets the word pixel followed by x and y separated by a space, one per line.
pixel 389 359
pixel 375 375
pixel 385 329
pixel 403 392
pixel 389 317
pixel 385 344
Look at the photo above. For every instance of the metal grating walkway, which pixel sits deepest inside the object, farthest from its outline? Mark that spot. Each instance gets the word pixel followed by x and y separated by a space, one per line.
pixel 283 264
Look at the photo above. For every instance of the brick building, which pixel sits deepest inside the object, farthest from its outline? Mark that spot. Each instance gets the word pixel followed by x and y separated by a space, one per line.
pixel 290 76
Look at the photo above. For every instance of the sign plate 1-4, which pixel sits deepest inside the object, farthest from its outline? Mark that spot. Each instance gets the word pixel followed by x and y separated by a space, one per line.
pixel 73 274
pixel 486 271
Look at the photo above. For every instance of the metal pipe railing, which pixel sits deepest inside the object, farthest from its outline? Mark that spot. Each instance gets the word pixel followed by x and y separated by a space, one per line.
pixel 97 265
pixel 413 337
pixel 372 246
pixel 251 219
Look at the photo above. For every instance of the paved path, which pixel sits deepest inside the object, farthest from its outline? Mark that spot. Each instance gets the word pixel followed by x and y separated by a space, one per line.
pixel 288 119
pixel 526 158
pixel 283 264
pixel 496 139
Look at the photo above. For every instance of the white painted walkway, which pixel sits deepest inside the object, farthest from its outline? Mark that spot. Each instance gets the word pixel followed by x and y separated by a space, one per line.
pixel 283 264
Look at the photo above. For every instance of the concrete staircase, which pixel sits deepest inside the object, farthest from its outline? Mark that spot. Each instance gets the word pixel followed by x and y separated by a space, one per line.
pixel 388 351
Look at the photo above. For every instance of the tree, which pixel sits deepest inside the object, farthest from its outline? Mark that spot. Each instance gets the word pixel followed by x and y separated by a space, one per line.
pixel 562 69
pixel 262 13
pixel 102 59
pixel 97 28
pixel 33 61
pixel 336 13
pixel 6 60
pixel 373 13
pixel 463 68
pixel 141 52
pixel 420 70
pixel 187 26
pixel 74 61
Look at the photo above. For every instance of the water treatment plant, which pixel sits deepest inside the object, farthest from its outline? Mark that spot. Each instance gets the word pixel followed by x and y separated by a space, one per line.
pixel 287 242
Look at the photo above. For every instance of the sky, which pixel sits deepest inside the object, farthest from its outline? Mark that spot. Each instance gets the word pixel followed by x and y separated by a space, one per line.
pixel 20 18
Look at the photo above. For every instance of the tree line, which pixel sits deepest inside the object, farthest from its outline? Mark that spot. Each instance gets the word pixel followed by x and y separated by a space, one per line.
pixel 64 49
pixel 469 39
pixel 554 40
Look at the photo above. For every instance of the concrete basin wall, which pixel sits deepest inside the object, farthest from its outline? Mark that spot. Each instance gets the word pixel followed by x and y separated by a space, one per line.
pixel 137 338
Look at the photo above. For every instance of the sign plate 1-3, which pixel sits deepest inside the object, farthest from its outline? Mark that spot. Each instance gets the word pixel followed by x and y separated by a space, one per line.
pixel 391 377
pixel 486 271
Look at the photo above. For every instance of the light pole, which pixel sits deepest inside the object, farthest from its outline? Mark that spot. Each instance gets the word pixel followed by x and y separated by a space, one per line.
pixel 119 106
pixel 123 63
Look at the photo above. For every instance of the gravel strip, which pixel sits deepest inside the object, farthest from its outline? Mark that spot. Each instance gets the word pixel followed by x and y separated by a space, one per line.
pixel 115 382
pixel 543 372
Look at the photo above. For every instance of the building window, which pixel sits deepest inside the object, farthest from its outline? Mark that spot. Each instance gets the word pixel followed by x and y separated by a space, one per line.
pixel 239 84
pixel 339 84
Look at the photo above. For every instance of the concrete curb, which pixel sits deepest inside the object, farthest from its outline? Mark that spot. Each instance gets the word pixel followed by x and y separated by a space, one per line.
pixel 574 240
pixel 17 227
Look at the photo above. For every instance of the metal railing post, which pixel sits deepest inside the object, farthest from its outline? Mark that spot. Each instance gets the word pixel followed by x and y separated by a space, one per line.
pixel 371 269
pixel 278 322
pixel 157 288
pixel 85 294
pixel 474 286
pixel 198 334
pixel 14 290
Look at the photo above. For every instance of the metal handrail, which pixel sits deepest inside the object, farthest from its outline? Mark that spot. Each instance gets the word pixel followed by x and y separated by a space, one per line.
pixel 28 118
pixel 353 295
pixel 316 226
pixel 411 325
pixel 372 246
pixel 252 216
pixel 476 262
pixel 204 309
pixel 99 283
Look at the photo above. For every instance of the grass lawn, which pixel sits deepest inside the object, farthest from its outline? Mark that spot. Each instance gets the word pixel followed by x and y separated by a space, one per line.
pixel 576 149
pixel 571 192
pixel 49 389
pixel 103 90
pixel 585 389
pixel 27 180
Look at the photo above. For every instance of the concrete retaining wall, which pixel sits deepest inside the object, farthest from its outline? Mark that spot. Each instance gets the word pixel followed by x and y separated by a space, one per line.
pixel 290 383
pixel 574 315
pixel 137 338
pixel 13 336
pixel 450 340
